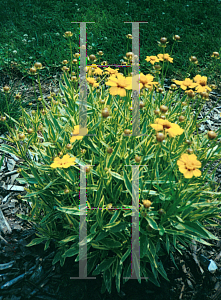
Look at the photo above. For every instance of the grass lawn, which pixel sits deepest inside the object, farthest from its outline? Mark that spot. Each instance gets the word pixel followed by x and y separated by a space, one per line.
pixel 32 30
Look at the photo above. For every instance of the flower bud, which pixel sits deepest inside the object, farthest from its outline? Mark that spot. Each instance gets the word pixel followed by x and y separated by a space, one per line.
pixel 88 169
pixel 137 158
pixel 177 37
pixel 189 150
pixel 129 54
pixel 73 78
pixel 129 36
pixel 193 58
pixel 183 103
pixel 74 61
pixel 190 94
pixel 163 40
pixel 69 146
pixel 204 95
pixel 92 57
pixel 66 191
pixel 19 196
pixel 161 212
pixel 60 153
pixel 77 55
pixel 102 101
pixel 105 112
pixel 163 108
pixel 146 203
pixel 157 111
pixel 160 136
pixel 64 62
pixel 127 131
pixel 216 54
pixel 173 86
pixel 211 135
pixel 21 136
pixel 68 34
pixel 6 88
pixel 3 119
pixel 109 150
pixel 160 90
pixel 181 118
pixel 141 104
pixel 188 142
pixel 32 70
pixel 30 130
pixel 157 67
pixel 38 65
pixel 163 117
pixel 100 53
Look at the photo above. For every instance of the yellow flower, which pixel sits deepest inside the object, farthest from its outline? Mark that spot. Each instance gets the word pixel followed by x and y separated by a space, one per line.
pixel 90 69
pixel 118 84
pixel 111 71
pixel 152 59
pixel 98 71
pixel 145 81
pixel 76 135
pixel 64 162
pixel 201 84
pixel 166 57
pixel 188 165
pixel 171 128
pixel 93 82
pixel 187 83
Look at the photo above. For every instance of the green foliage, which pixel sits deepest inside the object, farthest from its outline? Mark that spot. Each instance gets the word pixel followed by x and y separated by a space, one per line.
pixel 180 209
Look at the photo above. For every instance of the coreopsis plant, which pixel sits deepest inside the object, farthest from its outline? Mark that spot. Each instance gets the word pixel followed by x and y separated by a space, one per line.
pixel 178 201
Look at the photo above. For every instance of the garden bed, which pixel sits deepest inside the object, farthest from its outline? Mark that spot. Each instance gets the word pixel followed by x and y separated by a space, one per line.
pixel 41 280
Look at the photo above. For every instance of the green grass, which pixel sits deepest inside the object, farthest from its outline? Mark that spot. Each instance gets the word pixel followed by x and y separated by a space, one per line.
pixel 197 23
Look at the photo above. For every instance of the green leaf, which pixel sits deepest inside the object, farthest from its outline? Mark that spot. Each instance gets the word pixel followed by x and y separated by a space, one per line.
pixel 1 162
pixel 93 147
pixel 73 250
pixel 9 149
pixel 127 183
pixel 113 155
pixel 71 210
pixel 110 225
pixel 151 222
pixel 197 228
pixel 115 216
pixel 57 257
pixel 36 241
pixel 118 276
pixel 126 254
pixel 92 260
pixel 120 227
pixel 143 245
pixel 127 273
pixel 149 275
pixel 99 193
pixel 47 244
pixel 69 239
pixel 111 243
pixel 104 265
pixel 108 279
pixel 167 243
pixel 116 175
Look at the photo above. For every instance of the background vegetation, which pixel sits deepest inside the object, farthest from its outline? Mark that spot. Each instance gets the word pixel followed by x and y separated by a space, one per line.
pixel 32 30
